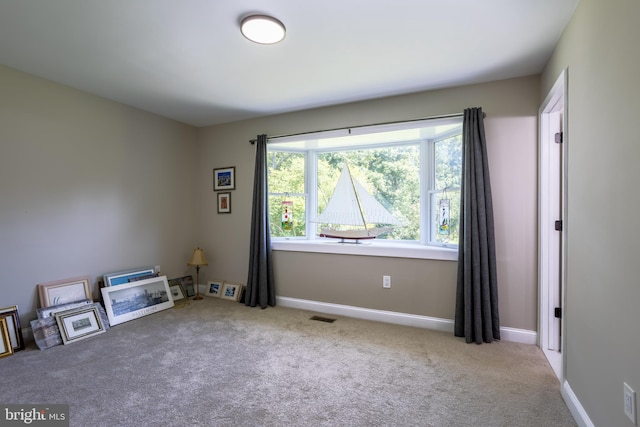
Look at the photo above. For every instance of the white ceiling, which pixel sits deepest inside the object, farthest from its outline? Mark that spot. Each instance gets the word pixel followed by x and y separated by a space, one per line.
pixel 186 59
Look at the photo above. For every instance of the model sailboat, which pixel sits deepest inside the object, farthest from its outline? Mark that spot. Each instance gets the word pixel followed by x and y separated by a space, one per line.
pixel 352 205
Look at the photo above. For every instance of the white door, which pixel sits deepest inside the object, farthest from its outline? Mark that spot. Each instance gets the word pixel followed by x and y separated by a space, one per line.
pixel 552 225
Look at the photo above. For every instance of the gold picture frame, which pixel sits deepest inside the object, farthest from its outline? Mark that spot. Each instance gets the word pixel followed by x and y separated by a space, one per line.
pixel 6 349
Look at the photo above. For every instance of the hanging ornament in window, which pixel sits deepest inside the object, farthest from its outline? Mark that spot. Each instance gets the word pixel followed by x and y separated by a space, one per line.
pixel 287 215
pixel 443 217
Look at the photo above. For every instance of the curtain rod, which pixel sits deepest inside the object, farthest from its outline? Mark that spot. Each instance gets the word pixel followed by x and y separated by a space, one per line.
pixel 446 116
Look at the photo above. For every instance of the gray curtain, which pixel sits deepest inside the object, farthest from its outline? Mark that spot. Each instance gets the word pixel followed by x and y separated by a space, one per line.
pixel 260 287
pixel 476 316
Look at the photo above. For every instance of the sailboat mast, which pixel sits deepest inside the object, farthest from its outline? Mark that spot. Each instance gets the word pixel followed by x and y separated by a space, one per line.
pixel 355 191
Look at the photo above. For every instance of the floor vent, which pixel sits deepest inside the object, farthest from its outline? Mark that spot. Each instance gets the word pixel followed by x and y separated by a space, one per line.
pixel 323 319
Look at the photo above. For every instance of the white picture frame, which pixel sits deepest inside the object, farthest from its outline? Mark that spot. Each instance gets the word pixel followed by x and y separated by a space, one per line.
pixel 130 301
pixel 214 288
pixel 231 291
pixel 177 293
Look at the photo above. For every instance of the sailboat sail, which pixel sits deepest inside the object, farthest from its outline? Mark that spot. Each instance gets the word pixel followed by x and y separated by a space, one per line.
pixel 351 204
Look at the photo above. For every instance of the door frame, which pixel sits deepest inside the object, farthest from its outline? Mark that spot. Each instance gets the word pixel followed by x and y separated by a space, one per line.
pixel 555 102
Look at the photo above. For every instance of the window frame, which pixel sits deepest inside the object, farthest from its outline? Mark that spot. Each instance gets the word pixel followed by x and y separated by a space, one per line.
pixel 424 248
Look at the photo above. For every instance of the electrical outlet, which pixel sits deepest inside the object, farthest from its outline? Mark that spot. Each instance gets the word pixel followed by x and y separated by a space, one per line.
pixel 386 281
pixel 157 268
pixel 630 403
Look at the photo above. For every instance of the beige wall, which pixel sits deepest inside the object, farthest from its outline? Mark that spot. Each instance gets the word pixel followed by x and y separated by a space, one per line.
pixel 87 187
pixel 420 287
pixel 599 49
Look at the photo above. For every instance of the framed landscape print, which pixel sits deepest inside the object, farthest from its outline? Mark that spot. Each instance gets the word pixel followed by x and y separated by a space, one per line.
pixel 224 178
pixel 64 291
pixel 118 278
pixel 79 323
pixel 136 299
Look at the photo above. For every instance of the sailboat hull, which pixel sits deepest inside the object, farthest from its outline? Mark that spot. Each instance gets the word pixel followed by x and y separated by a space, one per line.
pixel 353 234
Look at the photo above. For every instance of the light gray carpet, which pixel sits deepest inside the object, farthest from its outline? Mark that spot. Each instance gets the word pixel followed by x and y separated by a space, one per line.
pixel 219 363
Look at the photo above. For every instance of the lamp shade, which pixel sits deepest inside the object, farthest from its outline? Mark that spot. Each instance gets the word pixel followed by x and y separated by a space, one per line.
pixel 198 258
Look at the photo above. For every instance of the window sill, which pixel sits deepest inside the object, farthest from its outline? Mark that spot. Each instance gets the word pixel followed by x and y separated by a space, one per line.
pixel 392 250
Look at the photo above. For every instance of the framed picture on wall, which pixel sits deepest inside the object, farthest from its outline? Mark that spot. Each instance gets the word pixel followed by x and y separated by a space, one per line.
pixel 224 202
pixel 224 178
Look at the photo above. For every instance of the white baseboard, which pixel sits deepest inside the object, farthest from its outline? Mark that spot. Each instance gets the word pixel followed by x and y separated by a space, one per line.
pixel 445 325
pixel 575 407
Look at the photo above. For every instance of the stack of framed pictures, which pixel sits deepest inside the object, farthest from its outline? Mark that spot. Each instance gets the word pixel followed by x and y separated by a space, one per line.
pixel 225 290
pixel 14 331
pixel 131 294
pixel 66 323
pixel 182 287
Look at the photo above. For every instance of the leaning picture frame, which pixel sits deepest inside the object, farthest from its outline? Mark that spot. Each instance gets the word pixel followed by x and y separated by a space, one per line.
pixel 64 291
pixel 214 288
pixel 13 325
pixel 79 323
pixel 176 291
pixel 231 291
pixel 44 312
pixel 136 299
pixel 224 178
pixel 5 340
pixel 126 276
pixel 224 202
pixel 186 282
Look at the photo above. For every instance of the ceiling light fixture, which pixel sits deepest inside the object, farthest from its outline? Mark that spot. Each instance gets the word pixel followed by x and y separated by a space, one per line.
pixel 262 29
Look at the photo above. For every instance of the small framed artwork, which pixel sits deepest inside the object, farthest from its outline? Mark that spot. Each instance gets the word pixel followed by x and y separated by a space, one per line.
pixel 224 179
pixel 214 288
pixel 127 276
pixel 64 291
pixel 186 283
pixel 176 291
pixel 136 299
pixel 231 291
pixel 5 341
pixel 224 202
pixel 10 314
pixel 79 323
